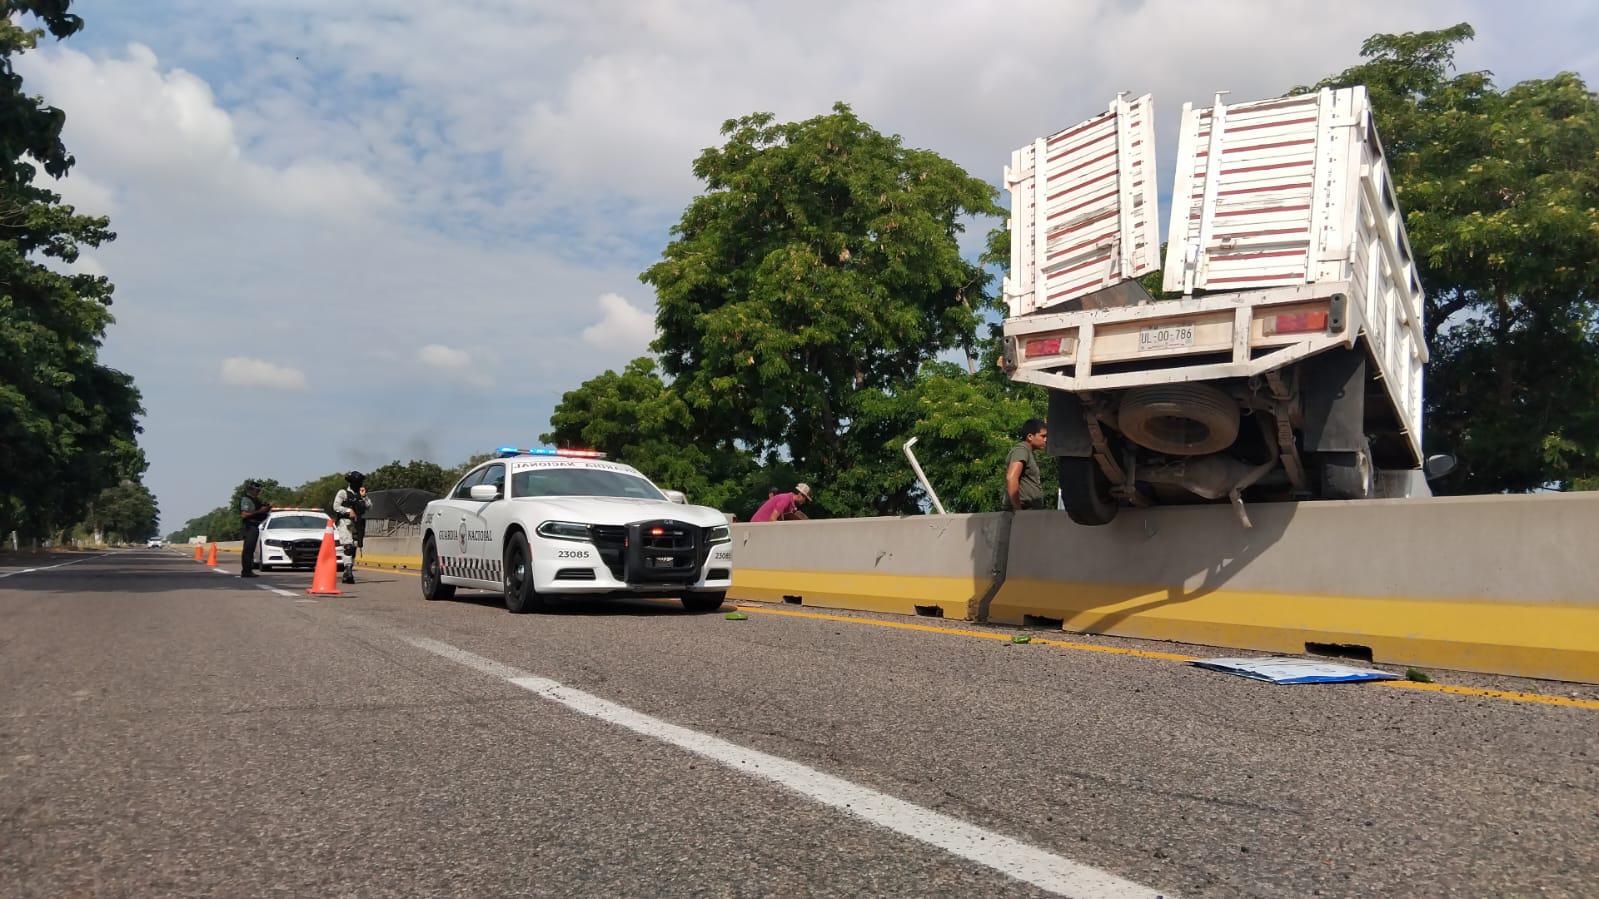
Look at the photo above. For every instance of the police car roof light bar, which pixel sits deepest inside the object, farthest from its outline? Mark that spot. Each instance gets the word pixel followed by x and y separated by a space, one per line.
pixel 506 451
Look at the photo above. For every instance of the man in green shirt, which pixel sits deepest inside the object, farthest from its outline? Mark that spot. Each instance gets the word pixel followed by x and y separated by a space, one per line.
pixel 1024 489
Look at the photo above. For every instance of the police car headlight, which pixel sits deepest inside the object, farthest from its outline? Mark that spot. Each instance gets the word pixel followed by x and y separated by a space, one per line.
pixel 563 530
pixel 276 543
pixel 719 534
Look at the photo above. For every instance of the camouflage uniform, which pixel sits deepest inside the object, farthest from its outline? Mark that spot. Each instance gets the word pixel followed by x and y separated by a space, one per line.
pixel 348 507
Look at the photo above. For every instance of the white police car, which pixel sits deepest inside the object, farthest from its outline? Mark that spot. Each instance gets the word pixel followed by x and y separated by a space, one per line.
pixel 291 538
pixel 537 524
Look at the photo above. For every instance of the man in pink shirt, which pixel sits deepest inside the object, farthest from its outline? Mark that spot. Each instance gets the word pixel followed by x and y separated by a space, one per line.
pixel 785 506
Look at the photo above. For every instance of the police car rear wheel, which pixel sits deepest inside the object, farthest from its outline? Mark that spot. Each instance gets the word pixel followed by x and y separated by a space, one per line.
pixel 519 593
pixel 432 587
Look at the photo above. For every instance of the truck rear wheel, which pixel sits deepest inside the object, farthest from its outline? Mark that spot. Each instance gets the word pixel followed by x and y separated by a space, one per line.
pixel 1348 476
pixel 1086 491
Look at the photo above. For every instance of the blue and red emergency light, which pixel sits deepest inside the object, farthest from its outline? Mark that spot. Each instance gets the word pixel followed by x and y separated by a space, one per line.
pixel 506 451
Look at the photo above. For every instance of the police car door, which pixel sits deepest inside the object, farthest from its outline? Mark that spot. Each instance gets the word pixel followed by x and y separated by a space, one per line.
pixel 483 561
pixel 449 535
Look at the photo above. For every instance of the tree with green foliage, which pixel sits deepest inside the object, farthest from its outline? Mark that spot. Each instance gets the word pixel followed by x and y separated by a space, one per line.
pixel 633 416
pixel 1501 196
pixel 417 474
pixel 122 514
pixel 820 265
pixel 68 424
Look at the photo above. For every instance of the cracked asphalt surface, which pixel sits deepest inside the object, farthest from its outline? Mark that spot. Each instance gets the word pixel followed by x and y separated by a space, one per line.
pixel 165 730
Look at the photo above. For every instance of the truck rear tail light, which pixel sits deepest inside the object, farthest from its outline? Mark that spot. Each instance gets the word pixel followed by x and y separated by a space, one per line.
pixel 1041 346
pixel 1295 322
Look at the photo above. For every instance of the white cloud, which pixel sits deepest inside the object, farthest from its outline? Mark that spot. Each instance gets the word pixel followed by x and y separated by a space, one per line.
pixel 165 126
pixel 439 356
pixel 243 371
pixel 623 327
pixel 457 364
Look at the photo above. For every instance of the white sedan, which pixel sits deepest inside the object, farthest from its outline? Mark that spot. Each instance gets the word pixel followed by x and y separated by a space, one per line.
pixel 537 524
pixel 291 538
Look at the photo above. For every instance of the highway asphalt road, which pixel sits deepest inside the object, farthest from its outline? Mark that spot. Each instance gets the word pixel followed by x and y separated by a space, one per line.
pixel 167 729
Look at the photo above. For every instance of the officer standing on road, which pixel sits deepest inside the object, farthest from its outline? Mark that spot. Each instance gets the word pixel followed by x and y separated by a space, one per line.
pixel 252 511
pixel 1024 489
pixel 349 507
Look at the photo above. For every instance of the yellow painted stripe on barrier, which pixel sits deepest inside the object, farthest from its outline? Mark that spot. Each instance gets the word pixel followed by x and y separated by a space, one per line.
pixel 1531 639
pixel 406 563
pixel 898 594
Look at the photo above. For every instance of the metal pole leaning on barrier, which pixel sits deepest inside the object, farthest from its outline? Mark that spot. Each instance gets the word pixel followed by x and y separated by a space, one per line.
pixel 917 467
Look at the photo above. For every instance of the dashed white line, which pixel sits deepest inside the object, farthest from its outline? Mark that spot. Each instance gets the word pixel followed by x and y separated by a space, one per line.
pixel 271 589
pixel 1010 857
pixel 52 567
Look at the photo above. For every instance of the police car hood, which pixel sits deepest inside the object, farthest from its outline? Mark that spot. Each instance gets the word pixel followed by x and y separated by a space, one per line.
pixel 616 510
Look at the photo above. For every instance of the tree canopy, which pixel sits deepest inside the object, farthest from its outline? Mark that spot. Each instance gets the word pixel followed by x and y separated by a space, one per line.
pixel 68 424
pixel 821 261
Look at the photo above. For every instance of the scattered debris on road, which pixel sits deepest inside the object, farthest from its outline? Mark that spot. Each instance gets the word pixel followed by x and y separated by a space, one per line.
pixel 737 616
pixel 1417 675
pixel 1021 638
pixel 1287 670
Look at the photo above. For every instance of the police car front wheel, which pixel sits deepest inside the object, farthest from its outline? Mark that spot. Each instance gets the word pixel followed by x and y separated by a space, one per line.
pixel 433 587
pixel 519 593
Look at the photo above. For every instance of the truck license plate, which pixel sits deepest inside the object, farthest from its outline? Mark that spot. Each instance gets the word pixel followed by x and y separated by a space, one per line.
pixel 1170 337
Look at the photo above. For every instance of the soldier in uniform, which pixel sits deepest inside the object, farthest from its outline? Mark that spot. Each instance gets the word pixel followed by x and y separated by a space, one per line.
pixel 252 511
pixel 349 509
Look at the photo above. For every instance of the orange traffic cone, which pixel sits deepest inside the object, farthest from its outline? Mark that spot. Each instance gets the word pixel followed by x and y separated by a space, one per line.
pixel 198 550
pixel 326 580
pixel 211 557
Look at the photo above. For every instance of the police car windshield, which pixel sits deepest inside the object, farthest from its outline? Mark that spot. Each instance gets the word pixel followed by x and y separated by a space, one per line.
pixel 581 482
pixel 302 522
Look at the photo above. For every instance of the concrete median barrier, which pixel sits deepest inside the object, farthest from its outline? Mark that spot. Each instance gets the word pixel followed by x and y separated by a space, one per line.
pixel 1499 584
pixel 943 565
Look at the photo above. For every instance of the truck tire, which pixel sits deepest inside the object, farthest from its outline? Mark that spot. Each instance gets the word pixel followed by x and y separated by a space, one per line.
pixel 1179 419
pixel 1348 476
pixel 1086 491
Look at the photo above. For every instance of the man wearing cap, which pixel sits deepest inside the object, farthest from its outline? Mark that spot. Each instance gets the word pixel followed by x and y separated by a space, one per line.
pixel 252 511
pixel 785 506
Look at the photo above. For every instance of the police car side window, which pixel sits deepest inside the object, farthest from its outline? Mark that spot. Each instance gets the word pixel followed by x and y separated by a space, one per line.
pixel 494 476
pixel 463 490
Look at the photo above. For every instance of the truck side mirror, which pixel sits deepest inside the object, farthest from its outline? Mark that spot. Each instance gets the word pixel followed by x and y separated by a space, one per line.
pixel 1438 465
pixel 676 496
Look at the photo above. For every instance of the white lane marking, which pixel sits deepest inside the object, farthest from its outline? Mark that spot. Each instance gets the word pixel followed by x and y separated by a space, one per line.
pixel 300 600
pixel 1012 858
pixel 271 589
pixel 52 567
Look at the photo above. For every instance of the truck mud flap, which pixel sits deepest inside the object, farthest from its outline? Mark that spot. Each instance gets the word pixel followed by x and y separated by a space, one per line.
pixel 1068 432
pixel 1334 395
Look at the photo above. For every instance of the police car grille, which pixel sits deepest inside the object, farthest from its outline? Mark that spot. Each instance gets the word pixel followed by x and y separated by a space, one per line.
pixel 611 541
pixel 575 574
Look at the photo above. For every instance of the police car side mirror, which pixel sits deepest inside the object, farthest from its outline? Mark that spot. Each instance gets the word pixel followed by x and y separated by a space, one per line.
pixel 676 496
pixel 485 493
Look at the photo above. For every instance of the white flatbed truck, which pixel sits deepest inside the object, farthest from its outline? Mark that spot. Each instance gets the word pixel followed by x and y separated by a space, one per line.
pixel 1287 365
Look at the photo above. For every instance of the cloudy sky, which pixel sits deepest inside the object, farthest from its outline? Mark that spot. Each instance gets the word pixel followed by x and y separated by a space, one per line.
pixel 357 231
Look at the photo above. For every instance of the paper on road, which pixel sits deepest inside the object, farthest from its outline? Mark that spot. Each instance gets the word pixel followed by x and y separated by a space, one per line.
pixel 1286 670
